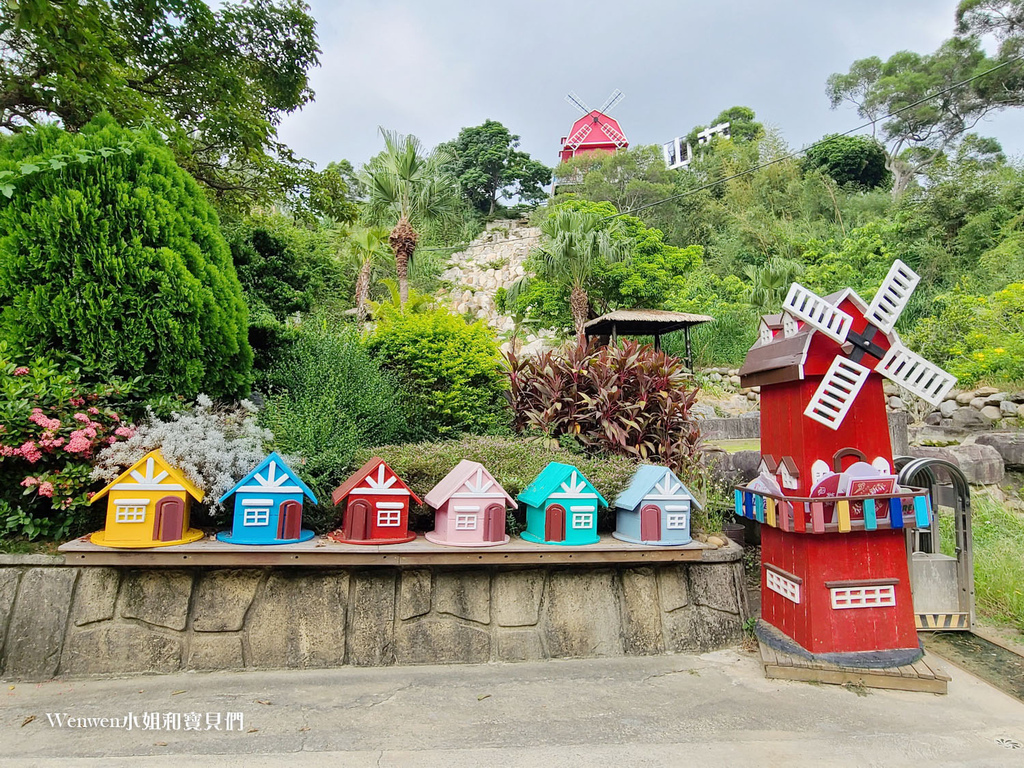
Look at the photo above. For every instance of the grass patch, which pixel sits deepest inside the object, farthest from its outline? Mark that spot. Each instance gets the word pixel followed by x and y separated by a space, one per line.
pixel 998 559
pixel 19 546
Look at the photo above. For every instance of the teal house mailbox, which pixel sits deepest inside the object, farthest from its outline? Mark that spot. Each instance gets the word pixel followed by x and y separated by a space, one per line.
pixel 655 509
pixel 268 506
pixel 561 507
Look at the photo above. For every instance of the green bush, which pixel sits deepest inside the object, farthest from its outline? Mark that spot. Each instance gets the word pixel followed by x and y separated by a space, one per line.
pixel 328 399
pixel 450 371
pixel 514 462
pixel 112 255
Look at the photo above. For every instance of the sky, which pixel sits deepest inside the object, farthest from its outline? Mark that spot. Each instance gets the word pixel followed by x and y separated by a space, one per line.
pixel 433 67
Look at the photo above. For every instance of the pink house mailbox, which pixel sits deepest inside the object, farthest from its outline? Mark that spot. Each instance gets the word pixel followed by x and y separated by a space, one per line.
pixel 469 508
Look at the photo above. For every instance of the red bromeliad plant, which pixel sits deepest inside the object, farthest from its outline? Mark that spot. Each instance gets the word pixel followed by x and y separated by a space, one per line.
pixel 625 399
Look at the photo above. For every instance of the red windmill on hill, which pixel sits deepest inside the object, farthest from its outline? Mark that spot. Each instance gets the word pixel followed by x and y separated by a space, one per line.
pixel 835 578
pixel 595 131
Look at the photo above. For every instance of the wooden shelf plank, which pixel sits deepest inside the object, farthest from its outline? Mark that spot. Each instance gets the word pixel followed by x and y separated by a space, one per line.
pixel 321 551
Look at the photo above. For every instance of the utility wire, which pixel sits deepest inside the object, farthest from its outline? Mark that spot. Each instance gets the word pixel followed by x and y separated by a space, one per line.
pixel 777 160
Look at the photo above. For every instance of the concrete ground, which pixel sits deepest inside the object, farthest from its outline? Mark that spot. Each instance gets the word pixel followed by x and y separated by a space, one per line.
pixel 715 709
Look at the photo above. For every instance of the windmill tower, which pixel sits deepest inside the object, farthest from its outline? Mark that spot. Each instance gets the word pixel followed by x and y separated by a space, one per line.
pixel 834 563
pixel 594 131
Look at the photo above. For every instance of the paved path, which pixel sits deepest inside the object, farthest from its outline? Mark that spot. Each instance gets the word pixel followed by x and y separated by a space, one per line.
pixel 710 710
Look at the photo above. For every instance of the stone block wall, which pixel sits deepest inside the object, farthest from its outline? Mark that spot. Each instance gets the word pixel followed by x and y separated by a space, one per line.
pixel 64 621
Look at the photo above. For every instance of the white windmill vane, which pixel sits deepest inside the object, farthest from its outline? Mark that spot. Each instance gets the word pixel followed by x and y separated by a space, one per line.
pixel 847 375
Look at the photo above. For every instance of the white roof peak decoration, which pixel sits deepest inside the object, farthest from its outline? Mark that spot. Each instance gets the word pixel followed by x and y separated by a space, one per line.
pixel 575 485
pixel 380 484
pixel 479 483
pixel 149 478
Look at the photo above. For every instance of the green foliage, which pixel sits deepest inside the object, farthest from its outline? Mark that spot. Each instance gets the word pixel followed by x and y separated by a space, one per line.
pixel 626 399
pixel 120 264
pixel 514 463
pixel 489 167
pixel 975 337
pixel 328 399
pixel 743 127
pixel 215 81
pixel 51 426
pixel 857 161
pixel 449 370
pixel 627 179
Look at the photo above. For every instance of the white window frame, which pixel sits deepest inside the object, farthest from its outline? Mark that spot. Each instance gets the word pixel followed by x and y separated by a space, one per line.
pixel 389 518
pixel 130 510
pixel 675 521
pixel 465 522
pixel 863 596
pixel 779 584
pixel 582 520
pixel 766 334
pixel 256 517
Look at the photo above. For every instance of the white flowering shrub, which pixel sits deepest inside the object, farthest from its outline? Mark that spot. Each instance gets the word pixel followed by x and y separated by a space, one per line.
pixel 214 446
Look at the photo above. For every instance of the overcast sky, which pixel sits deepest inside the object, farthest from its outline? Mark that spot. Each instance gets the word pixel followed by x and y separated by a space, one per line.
pixel 432 67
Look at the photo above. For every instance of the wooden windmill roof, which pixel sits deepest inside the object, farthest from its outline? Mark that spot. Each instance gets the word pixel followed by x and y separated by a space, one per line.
pixel 360 474
pixel 782 358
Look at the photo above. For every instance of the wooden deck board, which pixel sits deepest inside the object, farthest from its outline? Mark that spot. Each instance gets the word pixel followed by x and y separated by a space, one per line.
pixel 322 551
pixel 919 676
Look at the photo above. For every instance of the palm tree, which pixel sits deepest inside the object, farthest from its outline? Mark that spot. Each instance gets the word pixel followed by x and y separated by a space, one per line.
pixel 368 248
pixel 573 244
pixel 407 188
pixel 770 282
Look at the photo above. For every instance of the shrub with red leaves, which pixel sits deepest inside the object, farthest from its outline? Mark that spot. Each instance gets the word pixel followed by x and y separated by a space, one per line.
pixel 625 399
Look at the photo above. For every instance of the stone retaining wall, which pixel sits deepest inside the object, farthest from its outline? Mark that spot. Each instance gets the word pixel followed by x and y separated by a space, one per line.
pixel 58 620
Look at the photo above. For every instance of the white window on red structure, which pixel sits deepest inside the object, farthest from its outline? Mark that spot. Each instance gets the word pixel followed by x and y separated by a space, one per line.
pixel 783 585
pixel 863 596
pixel 389 518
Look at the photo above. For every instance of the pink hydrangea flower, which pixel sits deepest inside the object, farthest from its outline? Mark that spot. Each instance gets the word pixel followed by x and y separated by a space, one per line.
pixel 78 443
pixel 124 431
pixel 94 411
pixel 8 450
pixel 37 417
pixel 46 489
pixel 29 481
pixel 111 440
pixel 31 453
pixel 21 370
pixel 115 417
pixel 82 418
pixel 66 503
pixel 77 401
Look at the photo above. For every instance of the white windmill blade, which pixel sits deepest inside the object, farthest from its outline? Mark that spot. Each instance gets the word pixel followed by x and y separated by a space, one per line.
pixel 914 373
pixel 837 391
pixel 817 312
pixel 892 297
pixel 611 101
pixel 577 102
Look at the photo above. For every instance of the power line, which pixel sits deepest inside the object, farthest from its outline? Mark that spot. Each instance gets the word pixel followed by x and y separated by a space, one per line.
pixel 777 160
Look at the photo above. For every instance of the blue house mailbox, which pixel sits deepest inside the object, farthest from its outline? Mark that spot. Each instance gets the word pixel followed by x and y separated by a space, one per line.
pixel 655 509
pixel 561 507
pixel 268 506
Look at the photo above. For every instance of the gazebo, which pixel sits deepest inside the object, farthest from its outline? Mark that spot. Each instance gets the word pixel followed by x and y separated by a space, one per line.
pixel 646 322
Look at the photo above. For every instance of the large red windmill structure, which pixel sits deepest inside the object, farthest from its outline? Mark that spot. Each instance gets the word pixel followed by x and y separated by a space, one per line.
pixel 834 579
pixel 594 131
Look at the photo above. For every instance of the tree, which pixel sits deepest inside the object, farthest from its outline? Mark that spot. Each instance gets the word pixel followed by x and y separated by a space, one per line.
pixel 368 247
pixel 770 282
pixel 858 161
pixel 743 126
pixel 215 83
pixel 918 136
pixel 489 167
pixel 628 178
pixel 405 189
pixel 117 263
pixel 574 243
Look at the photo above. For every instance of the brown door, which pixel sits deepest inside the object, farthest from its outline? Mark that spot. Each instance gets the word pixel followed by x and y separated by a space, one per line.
pixel 494 523
pixel 650 523
pixel 289 523
pixel 554 523
pixel 358 520
pixel 169 524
